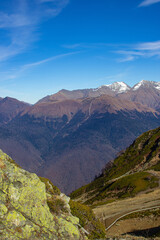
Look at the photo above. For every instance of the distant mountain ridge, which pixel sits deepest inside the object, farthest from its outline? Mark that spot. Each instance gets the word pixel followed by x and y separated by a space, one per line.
pixel 114 89
pixel 144 92
pixel 69 136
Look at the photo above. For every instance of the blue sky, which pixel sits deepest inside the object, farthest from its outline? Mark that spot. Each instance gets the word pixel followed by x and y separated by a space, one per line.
pixel 47 45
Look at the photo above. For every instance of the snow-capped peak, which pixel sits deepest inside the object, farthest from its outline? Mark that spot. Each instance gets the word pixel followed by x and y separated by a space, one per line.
pixel 118 87
pixel 138 85
pixel 147 84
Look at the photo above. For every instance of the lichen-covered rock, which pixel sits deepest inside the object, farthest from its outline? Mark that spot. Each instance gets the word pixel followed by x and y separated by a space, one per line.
pixel 32 208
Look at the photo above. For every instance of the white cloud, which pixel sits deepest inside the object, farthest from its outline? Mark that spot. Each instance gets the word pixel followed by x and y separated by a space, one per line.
pixel 149 46
pixel 141 50
pixel 13 20
pixel 146 3
pixel 127 58
pixel 19 23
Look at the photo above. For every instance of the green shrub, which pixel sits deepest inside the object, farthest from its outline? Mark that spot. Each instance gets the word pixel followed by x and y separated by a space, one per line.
pixel 156 167
pixel 88 220
pixel 56 205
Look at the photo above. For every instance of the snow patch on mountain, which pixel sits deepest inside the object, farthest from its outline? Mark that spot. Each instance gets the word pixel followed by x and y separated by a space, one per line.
pixel 138 85
pixel 157 85
pixel 147 84
pixel 118 87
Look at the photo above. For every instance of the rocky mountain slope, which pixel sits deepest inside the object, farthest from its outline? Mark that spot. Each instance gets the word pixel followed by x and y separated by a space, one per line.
pixel 128 186
pixel 33 208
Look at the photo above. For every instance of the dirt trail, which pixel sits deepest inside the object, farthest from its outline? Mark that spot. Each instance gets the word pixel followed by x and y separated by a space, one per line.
pixel 128 226
pixel 110 212
pixel 126 214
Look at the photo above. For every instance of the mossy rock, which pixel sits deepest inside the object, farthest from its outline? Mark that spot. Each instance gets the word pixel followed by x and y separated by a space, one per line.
pixel 25 210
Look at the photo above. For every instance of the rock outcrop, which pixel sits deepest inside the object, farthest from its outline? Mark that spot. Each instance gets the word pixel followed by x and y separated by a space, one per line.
pixel 32 208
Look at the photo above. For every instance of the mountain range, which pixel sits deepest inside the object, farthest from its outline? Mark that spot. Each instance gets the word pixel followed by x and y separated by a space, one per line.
pixel 145 92
pixel 69 136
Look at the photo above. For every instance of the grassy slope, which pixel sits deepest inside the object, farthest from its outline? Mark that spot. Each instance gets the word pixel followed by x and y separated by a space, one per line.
pixel 145 147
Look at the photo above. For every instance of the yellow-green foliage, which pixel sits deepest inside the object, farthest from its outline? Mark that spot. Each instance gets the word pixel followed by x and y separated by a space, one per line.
pixel 88 220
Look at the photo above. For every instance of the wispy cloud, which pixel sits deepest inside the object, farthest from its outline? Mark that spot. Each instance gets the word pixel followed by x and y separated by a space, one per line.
pixel 16 73
pixel 141 50
pixel 146 3
pixel 20 21
pixel 87 45
pixel 30 65
pixel 13 20
pixel 149 46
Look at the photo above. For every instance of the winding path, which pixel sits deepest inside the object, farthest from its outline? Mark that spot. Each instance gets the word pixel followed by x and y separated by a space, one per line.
pixel 112 212
pixel 140 210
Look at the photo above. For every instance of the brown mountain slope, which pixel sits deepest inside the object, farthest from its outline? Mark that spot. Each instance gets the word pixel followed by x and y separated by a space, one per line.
pixel 88 106
pixel 75 138
pixel 10 108
pixel 111 90
pixel 145 92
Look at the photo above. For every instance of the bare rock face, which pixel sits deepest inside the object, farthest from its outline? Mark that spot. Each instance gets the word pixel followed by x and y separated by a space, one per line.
pixel 32 208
